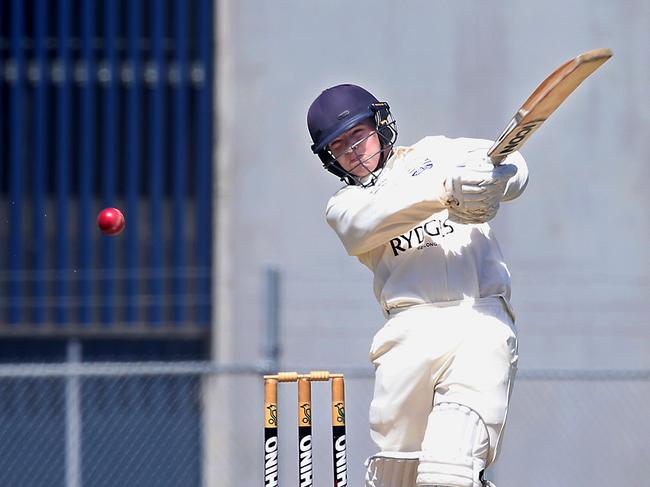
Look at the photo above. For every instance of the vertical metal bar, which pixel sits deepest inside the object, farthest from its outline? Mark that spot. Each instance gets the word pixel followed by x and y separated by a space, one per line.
pixel 180 162
pixel 338 432
pixel 86 168
pixel 73 418
pixel 270 431
pixel 16 158
pixel 157 162
pixel 305 477
pixel 109 161
pixel 272 343
pixel 133 131
pixel 4 146
pixel 62 178
pixel 39 216
pixel 204 109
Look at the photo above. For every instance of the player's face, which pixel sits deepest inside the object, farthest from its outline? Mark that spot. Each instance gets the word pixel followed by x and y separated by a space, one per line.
pixel 358 150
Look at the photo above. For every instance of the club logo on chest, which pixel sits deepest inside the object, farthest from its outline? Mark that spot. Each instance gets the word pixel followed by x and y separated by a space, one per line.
pixel 417 236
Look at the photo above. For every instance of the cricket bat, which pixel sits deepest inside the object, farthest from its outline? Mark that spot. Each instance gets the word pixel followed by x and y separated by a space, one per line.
pixel 544 100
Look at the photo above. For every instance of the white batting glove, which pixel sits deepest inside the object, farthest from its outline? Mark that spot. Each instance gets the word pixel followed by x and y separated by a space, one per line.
pixel 474 191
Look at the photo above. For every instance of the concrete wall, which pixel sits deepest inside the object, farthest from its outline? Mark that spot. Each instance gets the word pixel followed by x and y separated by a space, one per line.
pixel 576 241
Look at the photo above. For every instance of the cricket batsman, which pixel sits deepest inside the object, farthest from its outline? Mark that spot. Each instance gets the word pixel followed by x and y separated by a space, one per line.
pixel 417 217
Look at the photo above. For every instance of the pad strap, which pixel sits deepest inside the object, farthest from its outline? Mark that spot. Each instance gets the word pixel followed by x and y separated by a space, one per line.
pixel 392 469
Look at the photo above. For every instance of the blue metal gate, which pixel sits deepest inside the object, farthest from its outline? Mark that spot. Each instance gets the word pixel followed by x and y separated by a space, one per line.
pixel 105 103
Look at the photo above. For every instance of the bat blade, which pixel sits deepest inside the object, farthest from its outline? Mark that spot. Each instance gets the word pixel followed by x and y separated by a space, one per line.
pixel 544 101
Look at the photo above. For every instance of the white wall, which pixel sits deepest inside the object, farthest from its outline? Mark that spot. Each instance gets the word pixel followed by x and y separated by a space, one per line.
pixel 576 241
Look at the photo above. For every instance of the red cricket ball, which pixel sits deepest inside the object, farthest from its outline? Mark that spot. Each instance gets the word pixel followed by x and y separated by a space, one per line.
pixel 111 221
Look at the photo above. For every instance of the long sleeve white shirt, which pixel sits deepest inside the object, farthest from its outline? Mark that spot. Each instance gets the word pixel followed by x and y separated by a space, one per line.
pixel 399 228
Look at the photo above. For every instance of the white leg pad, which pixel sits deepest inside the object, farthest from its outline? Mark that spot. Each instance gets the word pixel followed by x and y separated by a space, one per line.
pixel 392 469
pixel 455 448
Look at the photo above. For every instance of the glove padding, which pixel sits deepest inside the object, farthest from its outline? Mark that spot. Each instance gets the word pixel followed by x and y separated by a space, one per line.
pixel 474 191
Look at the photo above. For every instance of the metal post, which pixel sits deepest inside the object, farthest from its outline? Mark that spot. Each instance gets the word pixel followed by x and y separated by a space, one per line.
pixel 134 166
pixel 73 418
pixel 156 78
pixel 38 174
pixel 203 141
pixel 62 77
pixel 272 349
pixel 16 156
pixel 87 156
pixel 109 80
pixel 179 161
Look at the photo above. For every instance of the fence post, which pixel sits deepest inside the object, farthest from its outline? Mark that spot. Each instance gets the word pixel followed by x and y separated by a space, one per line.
pixel 73 417
pixel 272 349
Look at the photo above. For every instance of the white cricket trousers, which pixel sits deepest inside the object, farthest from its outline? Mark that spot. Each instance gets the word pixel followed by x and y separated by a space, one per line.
pixel 462 352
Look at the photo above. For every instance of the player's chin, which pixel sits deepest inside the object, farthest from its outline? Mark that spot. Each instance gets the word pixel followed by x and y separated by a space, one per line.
pixel 364 168
pixel 361 172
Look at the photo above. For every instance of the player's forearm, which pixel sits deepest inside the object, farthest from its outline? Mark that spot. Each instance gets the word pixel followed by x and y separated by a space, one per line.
pixel 363 231
pixel 363 221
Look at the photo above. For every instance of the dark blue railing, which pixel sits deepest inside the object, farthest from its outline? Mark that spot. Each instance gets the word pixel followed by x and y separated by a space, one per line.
pixel 87 170
pixel 16 152
pixel 105 103
pixel 62 73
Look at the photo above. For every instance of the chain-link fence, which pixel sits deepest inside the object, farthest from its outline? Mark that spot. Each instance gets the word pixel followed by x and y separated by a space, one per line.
pixel 197 424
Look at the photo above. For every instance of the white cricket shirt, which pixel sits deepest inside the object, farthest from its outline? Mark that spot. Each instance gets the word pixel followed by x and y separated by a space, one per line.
pixel 400 229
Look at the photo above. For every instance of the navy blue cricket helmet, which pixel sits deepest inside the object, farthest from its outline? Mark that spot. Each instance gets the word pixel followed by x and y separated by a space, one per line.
pixel 335 111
